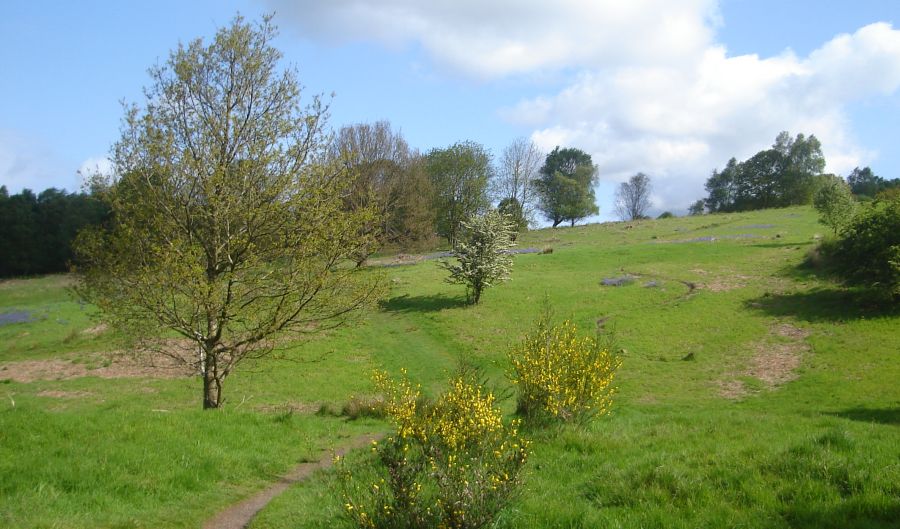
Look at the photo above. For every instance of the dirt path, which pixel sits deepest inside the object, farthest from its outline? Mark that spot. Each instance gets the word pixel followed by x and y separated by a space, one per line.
pixel 239 515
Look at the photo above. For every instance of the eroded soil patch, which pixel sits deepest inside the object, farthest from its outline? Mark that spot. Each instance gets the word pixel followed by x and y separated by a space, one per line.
pixel 774 362
pixel 725 284
pixel 304 408
pixel 103 365
pixel 59 394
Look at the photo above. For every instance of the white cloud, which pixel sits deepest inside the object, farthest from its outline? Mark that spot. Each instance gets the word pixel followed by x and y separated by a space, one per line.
pixel 678 123
pixel 652 89
pixel 501 37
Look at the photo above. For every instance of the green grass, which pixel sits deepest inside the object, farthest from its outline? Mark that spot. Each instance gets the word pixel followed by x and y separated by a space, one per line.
pixel 819 450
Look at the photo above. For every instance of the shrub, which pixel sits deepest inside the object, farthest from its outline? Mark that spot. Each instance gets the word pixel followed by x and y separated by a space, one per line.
pixel 561 375
pixel 482 254
pixel 835 204
pixel 868 252
pixel 666 215
pixel 892 193
pixel 449 463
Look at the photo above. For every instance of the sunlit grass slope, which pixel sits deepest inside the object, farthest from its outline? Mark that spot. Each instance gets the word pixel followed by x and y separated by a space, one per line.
pixel 753 392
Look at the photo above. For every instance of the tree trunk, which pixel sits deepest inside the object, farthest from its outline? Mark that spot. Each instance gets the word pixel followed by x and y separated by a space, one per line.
pixel 212 385
pixel 573 223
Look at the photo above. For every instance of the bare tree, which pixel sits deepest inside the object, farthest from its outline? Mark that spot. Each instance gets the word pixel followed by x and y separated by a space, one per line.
pixel 633 197
pixel 516 174
pixel 387 177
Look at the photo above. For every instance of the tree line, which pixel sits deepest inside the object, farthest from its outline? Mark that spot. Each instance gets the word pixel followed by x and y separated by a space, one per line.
pixel 421 197
pixel 789 173
pixel 36 231
pixel 417 199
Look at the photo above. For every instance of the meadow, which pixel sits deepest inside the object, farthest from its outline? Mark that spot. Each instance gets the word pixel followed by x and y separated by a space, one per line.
pixel 754 392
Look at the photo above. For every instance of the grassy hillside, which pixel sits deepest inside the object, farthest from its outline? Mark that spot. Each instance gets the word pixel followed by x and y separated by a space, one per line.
pixel 753 393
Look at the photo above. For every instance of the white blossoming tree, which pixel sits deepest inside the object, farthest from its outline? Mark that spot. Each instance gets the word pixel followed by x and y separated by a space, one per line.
pixel 482 254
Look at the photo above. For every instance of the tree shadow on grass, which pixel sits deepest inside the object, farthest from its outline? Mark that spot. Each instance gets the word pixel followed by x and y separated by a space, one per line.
pixel 407 303
pixel 825 305
pixel 785 244
pixel 863 414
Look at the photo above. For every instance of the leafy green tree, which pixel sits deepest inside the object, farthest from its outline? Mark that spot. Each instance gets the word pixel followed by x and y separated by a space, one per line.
pixel 459 175
pixel 633 197
pixel 483 259
pixel 566 186
pixel 864 182
pixel 802 162
pixel 228 223
pixel 697 208
pixel 722 187
pixel 835 204
pixel 783 175
pixel 413 218
pixel 511 208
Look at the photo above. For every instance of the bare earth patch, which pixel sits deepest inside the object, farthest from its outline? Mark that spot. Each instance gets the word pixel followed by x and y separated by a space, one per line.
pixel 59 394
pixel 307 408
pixel 773 363
pixel 95 330
pixel 787 330
pixel 108 365
pixel 55 281
pixel 724 284
pixel 732 389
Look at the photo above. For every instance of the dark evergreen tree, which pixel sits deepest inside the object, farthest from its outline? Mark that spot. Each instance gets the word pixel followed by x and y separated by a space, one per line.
pixel 36 231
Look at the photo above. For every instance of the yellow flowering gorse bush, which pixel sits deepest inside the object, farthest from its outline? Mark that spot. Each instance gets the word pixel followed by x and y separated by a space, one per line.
pixel 450 463
pixel 561 374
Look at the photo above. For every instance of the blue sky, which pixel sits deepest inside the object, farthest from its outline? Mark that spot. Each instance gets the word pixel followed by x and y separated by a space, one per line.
pixel 672 89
